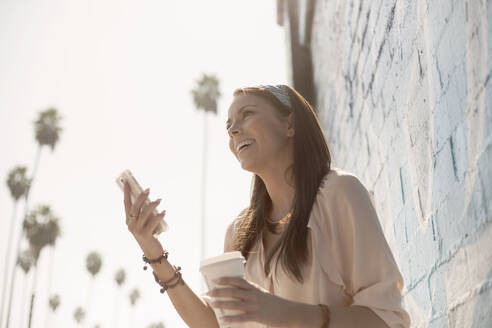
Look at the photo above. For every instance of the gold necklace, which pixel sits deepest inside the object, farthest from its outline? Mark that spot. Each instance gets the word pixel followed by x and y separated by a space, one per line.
pixel 283 220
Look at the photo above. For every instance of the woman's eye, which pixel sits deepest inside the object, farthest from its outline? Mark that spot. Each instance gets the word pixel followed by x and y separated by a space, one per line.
pixel 244 114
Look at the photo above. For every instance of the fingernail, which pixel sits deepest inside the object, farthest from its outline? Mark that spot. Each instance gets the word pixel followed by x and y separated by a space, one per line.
pixel 147 190
pixel 158 201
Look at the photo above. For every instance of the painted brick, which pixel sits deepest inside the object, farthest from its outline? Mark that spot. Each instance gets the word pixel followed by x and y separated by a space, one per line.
pixel 485 178
pixel 449 43
pixel 451 107
pixel 458 148
pixel 451 222
pixel 405 98
pixel 444 181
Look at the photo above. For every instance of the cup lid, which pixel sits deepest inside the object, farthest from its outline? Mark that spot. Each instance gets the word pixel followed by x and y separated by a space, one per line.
pixel 223 257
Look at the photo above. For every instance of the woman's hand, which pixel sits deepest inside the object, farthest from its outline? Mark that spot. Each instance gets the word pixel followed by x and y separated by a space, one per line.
pixel 141 222
pixel 256 302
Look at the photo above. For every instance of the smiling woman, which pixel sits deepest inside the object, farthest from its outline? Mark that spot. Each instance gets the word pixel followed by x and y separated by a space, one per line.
pixel 316 254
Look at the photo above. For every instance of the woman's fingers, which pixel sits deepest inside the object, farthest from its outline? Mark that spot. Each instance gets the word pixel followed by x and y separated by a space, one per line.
pixel 234 281
pixel 230 292
pixel 238 318
pixel 256 303
pixel 127 200
pixel 232 305
pixel 147 210
pixel 136 207
pixel 152 223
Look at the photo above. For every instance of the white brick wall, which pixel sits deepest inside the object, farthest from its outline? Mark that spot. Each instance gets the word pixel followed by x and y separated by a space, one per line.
pixel 404 94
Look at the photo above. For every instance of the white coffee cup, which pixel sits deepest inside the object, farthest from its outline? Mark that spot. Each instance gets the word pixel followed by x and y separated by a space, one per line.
pixel 230 264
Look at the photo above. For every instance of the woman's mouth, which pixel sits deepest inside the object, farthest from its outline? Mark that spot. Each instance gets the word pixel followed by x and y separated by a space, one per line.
pixel 243 148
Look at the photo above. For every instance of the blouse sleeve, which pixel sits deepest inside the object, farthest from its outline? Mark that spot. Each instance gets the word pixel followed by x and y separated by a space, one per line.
pixel 361 252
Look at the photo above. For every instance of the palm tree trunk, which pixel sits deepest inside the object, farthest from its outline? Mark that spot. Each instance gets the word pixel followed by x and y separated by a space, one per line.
pixel 33 296
pixel 36 165
pixel 23 304
pixel 89 300
pixel 17 252
pixel 12 273
pixel 204 182
pixel 50 278
pixel 7 259
pixel 132 316
pixel 117 307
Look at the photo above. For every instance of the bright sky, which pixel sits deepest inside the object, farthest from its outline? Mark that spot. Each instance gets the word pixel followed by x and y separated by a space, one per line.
pixel 120 73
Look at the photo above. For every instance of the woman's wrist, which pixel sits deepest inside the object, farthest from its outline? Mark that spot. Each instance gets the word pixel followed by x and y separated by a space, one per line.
pixel 163 269
pixel 305 315
pixel 150 248
pixel 152 253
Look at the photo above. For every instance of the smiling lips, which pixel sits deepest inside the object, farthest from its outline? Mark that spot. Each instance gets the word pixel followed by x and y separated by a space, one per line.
pixel 243 144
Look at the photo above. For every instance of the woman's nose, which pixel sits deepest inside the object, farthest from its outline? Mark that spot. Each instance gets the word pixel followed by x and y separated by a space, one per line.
pixel 233 129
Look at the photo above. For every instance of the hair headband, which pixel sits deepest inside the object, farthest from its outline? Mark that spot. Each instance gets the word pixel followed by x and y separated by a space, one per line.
pixel 280 92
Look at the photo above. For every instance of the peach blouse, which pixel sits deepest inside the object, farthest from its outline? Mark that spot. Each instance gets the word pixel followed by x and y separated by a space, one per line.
pixel 349 261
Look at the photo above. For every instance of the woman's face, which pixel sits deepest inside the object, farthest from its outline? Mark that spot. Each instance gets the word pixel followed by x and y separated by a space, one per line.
pixel 269 138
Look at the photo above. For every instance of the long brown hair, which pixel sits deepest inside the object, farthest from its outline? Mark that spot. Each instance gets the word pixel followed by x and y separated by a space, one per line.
pixel 312 161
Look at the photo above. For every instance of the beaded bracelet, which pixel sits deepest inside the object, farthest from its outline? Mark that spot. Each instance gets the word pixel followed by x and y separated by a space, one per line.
pixel 173 282
pixel 326 315
pixel 156 260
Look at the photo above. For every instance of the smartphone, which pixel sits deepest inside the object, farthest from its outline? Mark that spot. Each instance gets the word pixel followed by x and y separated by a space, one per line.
pixel 135 190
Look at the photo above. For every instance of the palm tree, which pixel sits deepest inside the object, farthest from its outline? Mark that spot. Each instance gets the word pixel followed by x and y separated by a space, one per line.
pixel 47 131
pixel 47 128
pixel 79 315
pixel 25 261
pixel 205 96
pixel 120 278
pixel 42 229
pixel 18 184
pixel 54 302
pixel 93 265
pixel 206 93
pixel 134 296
